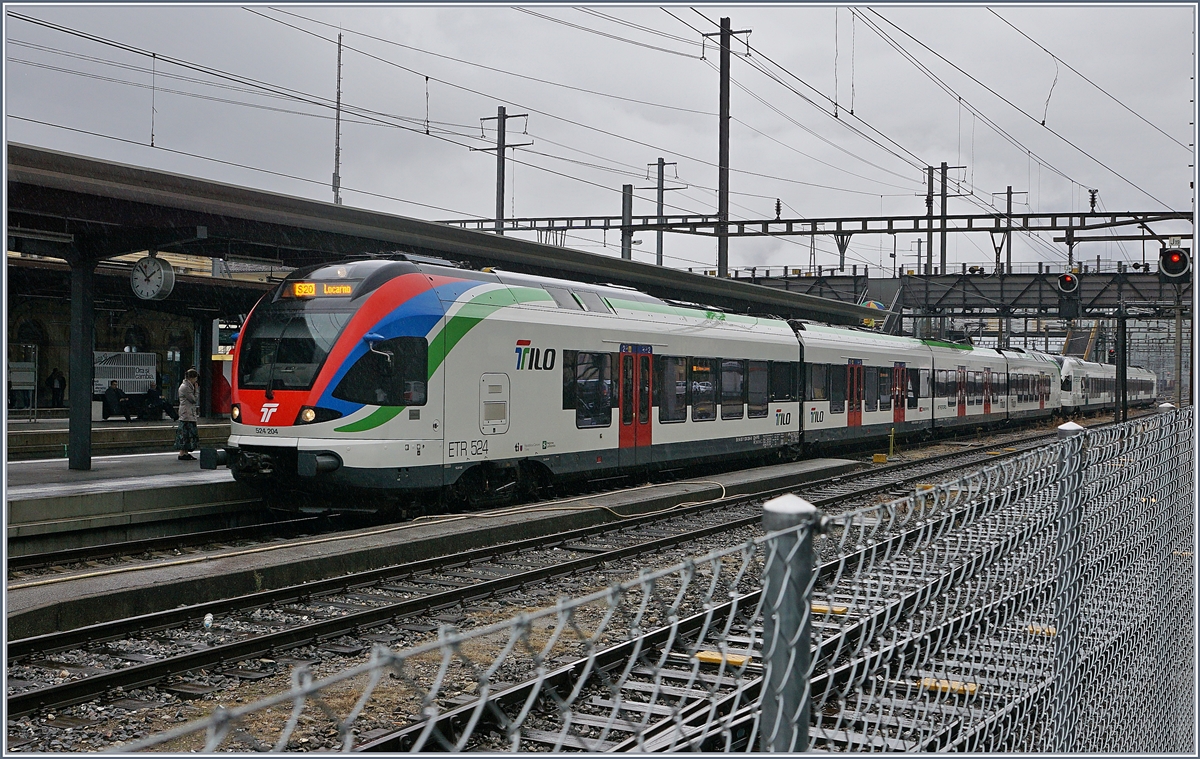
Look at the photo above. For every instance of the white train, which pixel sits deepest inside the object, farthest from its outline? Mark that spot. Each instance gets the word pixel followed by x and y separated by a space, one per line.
pixel 403 377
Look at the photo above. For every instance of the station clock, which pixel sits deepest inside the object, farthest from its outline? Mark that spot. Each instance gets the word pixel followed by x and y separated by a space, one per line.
pixel 152 278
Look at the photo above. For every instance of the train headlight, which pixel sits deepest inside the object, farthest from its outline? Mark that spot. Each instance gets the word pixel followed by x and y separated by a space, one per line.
pixel 314 414
pixel 235 412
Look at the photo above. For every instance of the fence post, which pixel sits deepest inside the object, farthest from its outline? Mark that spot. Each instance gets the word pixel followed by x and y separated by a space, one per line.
pixel 1064 711
pixel 787 624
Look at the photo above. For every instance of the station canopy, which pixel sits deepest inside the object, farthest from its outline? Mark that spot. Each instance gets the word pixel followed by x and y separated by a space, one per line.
pixel 74 207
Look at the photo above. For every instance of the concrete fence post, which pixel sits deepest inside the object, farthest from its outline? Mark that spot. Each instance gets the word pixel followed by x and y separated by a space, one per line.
pixel 1064 708
pixel 787 623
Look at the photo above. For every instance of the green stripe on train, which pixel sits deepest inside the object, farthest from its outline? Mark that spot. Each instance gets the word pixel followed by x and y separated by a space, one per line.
pixel 472 313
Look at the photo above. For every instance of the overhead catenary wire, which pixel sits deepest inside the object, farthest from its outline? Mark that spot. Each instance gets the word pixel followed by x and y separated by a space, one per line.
pixel 1082 76
pixel 1025 113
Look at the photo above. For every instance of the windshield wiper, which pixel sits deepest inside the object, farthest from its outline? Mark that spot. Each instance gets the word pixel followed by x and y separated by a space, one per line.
pixel 270 394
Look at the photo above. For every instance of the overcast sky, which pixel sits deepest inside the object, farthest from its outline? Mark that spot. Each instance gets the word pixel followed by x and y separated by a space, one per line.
pixel 244 94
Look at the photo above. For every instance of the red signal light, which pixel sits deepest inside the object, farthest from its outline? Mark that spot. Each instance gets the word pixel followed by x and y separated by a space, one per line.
pixel 1174 263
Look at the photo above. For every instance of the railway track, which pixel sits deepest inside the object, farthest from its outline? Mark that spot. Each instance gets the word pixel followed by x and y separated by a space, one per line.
pixel 22 567
pixel 344 615
pixel 650 694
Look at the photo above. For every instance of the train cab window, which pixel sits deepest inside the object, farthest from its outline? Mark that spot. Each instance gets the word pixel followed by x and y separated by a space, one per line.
pixel 593 390
pixel 870 388
pixel 563 299
pixel 818 382
pixel 914 383
pixel 671 388
pixel 885 389
pixel 284 350
pixel 733 388
pixel 837 388
pixel 758 390
pixel 703 382
pixel 591 301
pixel 783 381
pixel 392 374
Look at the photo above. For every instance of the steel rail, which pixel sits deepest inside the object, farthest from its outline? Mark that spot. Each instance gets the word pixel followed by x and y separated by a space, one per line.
pixel 138 675
pixel 403 739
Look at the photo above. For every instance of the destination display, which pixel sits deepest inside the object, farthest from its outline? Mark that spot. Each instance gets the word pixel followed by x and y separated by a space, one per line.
pixel 318 289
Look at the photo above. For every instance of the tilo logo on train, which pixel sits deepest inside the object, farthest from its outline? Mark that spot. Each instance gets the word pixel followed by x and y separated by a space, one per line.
pixel 531 357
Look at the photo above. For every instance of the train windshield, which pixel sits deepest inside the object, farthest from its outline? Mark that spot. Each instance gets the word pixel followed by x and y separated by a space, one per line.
pixel 284 349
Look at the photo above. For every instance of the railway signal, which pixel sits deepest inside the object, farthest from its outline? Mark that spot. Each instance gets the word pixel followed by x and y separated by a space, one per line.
pixel 1068 295
pixel 1068 284
pixel 1174 264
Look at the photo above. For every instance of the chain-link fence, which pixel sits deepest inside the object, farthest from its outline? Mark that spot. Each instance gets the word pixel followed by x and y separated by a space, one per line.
pixel 1044 603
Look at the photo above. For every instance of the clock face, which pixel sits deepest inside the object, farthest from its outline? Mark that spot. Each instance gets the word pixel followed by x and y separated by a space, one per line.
pixel 152 279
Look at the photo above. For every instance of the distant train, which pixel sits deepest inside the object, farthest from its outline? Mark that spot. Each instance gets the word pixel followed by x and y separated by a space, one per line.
pixel 405 378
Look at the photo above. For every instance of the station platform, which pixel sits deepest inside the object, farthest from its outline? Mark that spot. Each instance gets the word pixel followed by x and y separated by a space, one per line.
pixel 42 605
pixel 123 497
pixel 47 438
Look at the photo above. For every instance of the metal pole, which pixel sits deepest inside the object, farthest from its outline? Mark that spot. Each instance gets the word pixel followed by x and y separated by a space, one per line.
pixel 337 131
pixel 929 223
pixel 1008 233
pixel 80 365
pixel 1122 414
pixel 658 250
pixel 723 157
pixel 1064 704
pixel 1178 347
pixel 787 624
pixel 501 117
pixel 943 240
pixel 627 222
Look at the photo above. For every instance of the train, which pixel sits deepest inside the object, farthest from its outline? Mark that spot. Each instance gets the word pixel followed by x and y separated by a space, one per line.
pixel 399 379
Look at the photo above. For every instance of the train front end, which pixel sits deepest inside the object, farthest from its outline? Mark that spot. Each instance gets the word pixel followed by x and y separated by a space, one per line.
pixel 319 363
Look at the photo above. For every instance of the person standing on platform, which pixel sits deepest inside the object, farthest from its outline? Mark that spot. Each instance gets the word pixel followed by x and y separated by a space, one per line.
pixel 187 438
pixel 57 384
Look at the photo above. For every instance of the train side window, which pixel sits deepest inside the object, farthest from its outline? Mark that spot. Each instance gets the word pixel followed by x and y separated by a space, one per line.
pixel 837 388
pixel 394 374
pixel 703 383
pixel 672 388
pixel 818 382
pixel 870 388
pixel 885 388
pixel 733 388
pixel 593 390
pixel 758 390
pixel 568 380
pixel 563 299
pixel 914 382
pixel 925 391
pixel 783 381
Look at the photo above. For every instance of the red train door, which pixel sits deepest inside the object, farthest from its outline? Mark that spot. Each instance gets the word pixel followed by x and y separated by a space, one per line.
pixel 962 391
pixel 987 391
pixel 635 402
pixel 899 394
pixel 854 393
